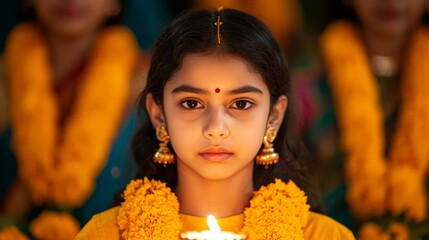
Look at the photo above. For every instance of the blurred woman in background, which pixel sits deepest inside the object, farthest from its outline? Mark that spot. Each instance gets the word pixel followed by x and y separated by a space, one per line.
pixel 369 120
pixel 70 71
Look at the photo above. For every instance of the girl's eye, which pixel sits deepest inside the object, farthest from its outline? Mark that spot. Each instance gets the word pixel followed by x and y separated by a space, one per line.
pixel 191 104
pixel 242 104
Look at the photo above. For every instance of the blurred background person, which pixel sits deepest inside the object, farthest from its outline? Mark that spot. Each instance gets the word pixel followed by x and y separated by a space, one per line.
pixel 70 77
pixel 367 115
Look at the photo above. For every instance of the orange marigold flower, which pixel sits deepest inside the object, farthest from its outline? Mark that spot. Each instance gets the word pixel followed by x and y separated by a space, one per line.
pixel 150 211
pixel 399 231
pixel 371 231
pixel 407 193
pixel 54 226
pixel 12 233
pixel 279 203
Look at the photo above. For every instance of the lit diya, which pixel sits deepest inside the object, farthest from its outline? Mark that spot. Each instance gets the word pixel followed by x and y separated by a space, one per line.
pixel 215 233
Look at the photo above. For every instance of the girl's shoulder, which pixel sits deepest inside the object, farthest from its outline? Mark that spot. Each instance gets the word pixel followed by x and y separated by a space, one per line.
pixel 101 226
pixel 323 227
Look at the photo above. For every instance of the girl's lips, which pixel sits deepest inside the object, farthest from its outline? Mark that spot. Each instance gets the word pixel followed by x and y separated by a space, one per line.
pixel 216 154
pixel 216 157
pixel 389 14
pixel 69 12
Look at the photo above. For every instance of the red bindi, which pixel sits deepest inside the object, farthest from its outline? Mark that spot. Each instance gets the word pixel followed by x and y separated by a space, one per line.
pixel 217 90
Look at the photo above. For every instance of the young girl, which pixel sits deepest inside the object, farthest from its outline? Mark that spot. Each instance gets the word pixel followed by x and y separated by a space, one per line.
pixel 217 94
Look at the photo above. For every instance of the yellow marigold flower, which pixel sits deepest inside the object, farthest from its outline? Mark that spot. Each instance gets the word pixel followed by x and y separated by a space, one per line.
pixel 399 231
pixel 371 231
pixel 277 211
pixel 54 226
pixel 150 211
pixel 12 233
pixel 396 231
pixel 407 193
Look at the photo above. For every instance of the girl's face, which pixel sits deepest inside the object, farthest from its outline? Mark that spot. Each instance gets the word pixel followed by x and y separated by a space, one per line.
pixel 216 110
pixel 73 18
pixel 391 18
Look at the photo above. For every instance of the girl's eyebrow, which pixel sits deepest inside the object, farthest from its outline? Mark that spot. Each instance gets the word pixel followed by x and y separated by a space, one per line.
pixel 245 89
pixel 190 89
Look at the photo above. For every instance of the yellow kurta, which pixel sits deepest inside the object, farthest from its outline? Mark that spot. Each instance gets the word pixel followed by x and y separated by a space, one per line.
pixel 103 226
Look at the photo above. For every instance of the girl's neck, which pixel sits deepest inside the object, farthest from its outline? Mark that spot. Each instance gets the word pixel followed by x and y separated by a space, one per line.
pixel 67 53
pixel 221 198
pixel 389 49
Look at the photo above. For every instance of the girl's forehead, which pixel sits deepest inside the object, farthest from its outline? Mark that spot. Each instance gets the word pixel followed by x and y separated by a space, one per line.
pixel 216 71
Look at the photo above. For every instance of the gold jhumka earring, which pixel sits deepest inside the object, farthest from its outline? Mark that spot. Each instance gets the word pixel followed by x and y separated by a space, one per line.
pixel 267 155
pixel 163 155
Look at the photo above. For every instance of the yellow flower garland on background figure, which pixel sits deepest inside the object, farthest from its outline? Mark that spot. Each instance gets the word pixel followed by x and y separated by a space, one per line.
pixel 378 183
pixel 359 116
pixel 12 233
pixel 61 165
pixel 409 157
pixel 151 211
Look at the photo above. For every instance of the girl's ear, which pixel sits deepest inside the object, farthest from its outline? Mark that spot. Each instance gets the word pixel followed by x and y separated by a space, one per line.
pixel 154 111
pixel 277 113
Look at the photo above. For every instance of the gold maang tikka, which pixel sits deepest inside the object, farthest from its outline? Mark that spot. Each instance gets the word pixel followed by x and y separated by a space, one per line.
pixel 267 155
pixel 218 23
pixel 163 155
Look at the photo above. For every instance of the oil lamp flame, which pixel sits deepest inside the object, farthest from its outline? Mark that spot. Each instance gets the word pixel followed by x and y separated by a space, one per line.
pixel 213 226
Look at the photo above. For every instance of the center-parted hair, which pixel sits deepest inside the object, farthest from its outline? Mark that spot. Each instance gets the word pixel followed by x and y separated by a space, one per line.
pixel 241 35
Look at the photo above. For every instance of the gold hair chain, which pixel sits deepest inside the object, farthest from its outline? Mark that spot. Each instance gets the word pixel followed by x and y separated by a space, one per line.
pixel 218 24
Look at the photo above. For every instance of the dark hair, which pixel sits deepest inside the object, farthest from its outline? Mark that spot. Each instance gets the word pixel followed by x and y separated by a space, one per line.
pixel 244 36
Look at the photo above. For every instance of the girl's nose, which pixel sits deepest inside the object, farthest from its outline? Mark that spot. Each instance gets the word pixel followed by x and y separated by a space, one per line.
pixel 216 127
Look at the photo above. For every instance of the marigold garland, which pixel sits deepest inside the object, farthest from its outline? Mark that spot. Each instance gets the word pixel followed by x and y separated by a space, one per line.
pixel 60 165
pixel 151 211
pixel 12 233
pixel 54 226
pixel 277 211
pixel 400 178
pixel 371 231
